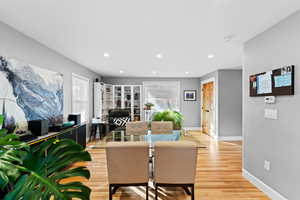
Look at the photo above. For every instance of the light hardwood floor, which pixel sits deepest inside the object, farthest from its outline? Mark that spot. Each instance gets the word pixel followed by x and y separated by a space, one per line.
pixel 219 176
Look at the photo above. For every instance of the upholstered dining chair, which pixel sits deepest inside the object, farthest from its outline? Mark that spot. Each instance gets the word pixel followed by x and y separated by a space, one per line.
pixel 175 165
pixel 127 165
pixel 161 127
pixel 137 128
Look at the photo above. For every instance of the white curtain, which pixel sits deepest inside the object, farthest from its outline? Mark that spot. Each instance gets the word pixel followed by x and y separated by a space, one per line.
pixel 80 96
pixel 163 94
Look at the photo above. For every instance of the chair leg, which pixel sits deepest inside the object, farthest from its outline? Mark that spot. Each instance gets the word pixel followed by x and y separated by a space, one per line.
pixel 156 192
pixel 147 192
pixel 193 192
pixel 94 131
pixel 110 192
pixel 91 134
pixel 100 131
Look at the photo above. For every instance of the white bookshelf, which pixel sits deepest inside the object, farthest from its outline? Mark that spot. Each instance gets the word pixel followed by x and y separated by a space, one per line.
pixel 130 97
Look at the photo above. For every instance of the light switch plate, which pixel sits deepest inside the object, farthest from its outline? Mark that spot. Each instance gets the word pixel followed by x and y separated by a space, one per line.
pixel 270 99
pixel 271 113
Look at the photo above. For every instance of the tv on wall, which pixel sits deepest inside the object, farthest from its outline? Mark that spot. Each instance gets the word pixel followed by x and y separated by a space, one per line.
pixel 29 93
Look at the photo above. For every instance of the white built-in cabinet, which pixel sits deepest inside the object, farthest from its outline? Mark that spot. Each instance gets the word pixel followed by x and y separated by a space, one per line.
pixel 129 97
pixel 103 100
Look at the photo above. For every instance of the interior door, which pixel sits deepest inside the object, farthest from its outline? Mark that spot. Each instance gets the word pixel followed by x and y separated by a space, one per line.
pixel 208 108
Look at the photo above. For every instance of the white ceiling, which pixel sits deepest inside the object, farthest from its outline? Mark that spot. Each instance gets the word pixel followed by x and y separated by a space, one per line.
pixel 134 31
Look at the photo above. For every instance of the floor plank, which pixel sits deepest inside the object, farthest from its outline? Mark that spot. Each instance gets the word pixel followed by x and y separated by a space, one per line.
pixel 219 176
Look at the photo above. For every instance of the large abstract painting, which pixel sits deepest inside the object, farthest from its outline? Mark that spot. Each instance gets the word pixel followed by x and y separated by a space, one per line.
pixel 29 93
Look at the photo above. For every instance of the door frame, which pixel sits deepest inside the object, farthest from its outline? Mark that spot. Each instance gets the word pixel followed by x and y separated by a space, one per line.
pixel 215 110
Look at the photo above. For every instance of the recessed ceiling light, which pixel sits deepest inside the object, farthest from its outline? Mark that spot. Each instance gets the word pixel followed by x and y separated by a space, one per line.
pixel 228 38
pixel 187 72
pixel 154 72
pixel 121 71
pixel 210 56
pixel 106 55
pixel 159 56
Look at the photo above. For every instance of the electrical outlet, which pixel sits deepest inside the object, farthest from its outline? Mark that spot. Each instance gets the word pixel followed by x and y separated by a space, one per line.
pixel 267 165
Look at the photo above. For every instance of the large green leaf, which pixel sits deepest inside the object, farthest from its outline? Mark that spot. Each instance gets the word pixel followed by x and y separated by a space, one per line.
pixel 46 166
pixel 2 131
pixel 1 120
pixel 12 152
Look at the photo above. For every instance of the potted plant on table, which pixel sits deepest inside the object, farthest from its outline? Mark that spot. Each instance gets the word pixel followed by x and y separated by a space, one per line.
pixel 31 173
pixel 148 106
pixel 169 115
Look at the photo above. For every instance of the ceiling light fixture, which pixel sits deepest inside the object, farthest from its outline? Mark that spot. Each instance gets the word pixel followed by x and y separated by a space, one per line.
pixel 187 73
pixel 154 72
pixel 159 56
pixel 121 72
pixel 106 55
pixel 228 38
pixel 210 56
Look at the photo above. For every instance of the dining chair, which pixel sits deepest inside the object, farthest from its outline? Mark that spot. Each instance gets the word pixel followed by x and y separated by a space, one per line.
pixel 127 165
pixel 175 165
pixel 161 127
pixel 137 128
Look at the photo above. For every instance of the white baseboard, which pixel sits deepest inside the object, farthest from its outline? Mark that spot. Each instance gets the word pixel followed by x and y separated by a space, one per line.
pixel 192 128
pixel 270 192
pixel 230 138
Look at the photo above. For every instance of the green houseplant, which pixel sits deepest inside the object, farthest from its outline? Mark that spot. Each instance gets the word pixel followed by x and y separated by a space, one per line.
pixel 31 173
pixel 2 131
pixel 169 115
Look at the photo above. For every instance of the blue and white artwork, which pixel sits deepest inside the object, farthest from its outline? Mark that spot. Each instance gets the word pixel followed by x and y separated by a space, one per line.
pixel 29 93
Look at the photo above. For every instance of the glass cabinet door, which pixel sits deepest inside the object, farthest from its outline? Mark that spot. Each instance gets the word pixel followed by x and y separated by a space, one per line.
pixel 107 100
pixel 127 97
pixel 118 97
pixel 137 103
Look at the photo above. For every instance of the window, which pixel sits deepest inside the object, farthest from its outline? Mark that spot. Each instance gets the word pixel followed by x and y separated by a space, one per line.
pixel 80 96
pixel 163 94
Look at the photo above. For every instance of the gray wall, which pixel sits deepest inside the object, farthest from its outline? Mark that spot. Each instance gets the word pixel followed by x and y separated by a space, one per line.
pixel 14 44
pixel 277 141
pixel 228 101
pixel 189 109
